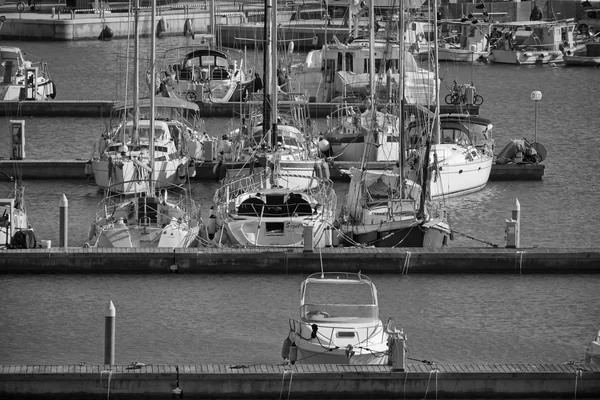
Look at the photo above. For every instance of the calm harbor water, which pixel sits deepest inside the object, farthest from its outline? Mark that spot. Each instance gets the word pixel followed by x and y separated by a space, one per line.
pixel 231 319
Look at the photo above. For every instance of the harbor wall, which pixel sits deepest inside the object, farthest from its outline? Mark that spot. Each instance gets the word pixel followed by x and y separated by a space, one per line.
pixel 488 381
pixel 74 260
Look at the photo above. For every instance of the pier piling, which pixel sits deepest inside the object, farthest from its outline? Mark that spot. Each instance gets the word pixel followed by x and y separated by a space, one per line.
pixel 109 334
pixel 64 221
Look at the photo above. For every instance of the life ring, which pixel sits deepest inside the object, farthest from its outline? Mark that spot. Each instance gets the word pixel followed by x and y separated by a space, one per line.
pixel 191 97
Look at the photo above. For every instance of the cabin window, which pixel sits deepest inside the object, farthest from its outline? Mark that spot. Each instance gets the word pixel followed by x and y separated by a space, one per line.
pixel 339 62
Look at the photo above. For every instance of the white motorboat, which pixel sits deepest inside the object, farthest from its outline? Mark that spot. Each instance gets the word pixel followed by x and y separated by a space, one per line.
pixel 339 322
pixel 533 42
pixel 21 79
pixel 464 41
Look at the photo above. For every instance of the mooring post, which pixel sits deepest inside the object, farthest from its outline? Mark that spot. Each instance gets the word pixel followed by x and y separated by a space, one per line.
pixel 513 227
pixel 64 221
pixel 397 350
pixel 109 334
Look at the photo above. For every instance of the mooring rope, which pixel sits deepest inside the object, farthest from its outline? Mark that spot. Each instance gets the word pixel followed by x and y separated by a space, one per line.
pixel 283 383
pixel 435 370
pixel 110 372
pixel 519 256
pixel 406 263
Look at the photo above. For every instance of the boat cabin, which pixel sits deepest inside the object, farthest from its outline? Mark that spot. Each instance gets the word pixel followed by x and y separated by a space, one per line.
pixel 340 296
pixel 205 64
pixel 534 35
pixel 462 129
pixel 11 63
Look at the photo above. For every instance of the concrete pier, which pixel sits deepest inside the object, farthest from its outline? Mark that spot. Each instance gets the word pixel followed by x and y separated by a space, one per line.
pixel 103 108
pixel 418 381
pixel 74 260
pixel 75 169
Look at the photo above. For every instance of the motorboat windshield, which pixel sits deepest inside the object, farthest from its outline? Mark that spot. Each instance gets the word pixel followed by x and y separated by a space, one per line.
pixel 339 298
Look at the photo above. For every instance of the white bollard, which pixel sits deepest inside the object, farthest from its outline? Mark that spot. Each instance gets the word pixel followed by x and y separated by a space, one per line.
pixel 397 350
pixel 64 221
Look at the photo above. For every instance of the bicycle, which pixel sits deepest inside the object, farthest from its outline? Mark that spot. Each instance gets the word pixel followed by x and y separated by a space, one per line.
pixel 458 95
pixel 35 5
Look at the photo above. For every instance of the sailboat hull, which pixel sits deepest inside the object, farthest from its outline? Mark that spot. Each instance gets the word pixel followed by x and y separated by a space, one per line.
pixel 134 179
pixel 461 178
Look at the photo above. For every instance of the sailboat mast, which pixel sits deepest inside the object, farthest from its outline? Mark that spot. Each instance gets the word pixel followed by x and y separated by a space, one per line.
pixel 366 150
pixel 152 93
pixel 402 149
pixel 437 73
pixel 136 75
pixel 274 74
pixel 266 77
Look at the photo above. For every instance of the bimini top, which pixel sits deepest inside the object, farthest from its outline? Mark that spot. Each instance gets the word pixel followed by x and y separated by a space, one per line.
pixel 460 118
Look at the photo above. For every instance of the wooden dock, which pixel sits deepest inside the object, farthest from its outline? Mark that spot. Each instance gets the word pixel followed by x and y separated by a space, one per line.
pixel 239 381
pixel 269 260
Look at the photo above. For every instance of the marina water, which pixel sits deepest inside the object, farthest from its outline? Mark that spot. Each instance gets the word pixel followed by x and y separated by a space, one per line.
pixel 56 319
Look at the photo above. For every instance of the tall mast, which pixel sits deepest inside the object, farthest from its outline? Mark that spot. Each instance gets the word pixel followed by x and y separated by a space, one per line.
pixel 152 93
pixel 266 75
pixel 437 73
pixel 274 74
pixel 402 150
pixel 366 150
pixel 136 75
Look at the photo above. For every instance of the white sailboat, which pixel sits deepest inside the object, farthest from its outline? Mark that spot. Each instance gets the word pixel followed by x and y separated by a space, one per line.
pixel 121 158
pixel 458 166
pixel 149 215
pixel 289 202
pixel 384 209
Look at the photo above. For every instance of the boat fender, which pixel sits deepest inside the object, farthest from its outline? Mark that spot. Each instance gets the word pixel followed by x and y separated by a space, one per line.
pixel 315 328
pixel 106 33
pixel 161 27
pixel 217 168
pixel 285 349
pixel 293 353
pixel 181 172
pixel 91 231
pixel 291 47
pixel 188 28
pixel 222 172
pixel 191 168
pixel 88 169
pixel 211 227
pixel 52 94
pixel 325 170
pixel 324 145
pixel 317 170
